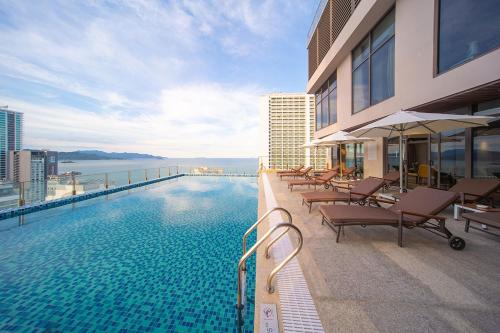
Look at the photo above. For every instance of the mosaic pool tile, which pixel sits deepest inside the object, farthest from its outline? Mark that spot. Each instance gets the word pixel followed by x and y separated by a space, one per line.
pixel 155 259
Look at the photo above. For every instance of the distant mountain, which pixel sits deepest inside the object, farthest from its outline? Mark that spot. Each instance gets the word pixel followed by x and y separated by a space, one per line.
pixel 101 155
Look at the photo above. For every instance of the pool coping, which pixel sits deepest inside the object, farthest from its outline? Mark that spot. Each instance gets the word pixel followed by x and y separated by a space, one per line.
pixel 39 206
pixel 298 311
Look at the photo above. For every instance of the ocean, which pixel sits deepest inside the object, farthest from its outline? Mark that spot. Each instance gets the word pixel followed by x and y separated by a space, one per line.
pixel 87 167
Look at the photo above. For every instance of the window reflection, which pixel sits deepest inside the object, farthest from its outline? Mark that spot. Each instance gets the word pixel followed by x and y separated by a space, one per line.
pixel 467 29
pixel 486 143
pixel 373 66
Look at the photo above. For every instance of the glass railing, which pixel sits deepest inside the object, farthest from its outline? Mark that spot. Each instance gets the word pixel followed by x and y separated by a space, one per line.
pixel 16 194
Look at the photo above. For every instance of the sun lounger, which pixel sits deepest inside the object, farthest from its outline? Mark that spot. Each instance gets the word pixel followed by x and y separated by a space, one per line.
pixel 349 173
pixel 391 178
pixel 301 173
pixel 292 170
pixel 321 180
pixel 491 219
pixel 417 208
pixel 358 193
pixel 474 190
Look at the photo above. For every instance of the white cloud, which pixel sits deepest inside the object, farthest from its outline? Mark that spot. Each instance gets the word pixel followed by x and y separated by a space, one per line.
pixel 190 121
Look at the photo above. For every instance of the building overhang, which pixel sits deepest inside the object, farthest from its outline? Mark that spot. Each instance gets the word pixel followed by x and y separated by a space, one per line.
pixel 482 93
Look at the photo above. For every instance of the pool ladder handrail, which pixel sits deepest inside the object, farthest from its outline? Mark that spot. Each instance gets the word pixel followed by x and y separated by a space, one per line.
pixel 242 263
pixel 259 221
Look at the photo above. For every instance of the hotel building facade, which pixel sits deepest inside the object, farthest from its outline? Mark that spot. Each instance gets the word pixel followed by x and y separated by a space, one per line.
pixel 287 123
pixel 370 58
pixel 11 137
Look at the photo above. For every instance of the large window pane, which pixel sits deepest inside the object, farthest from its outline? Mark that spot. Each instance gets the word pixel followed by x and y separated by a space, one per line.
pixel 382 78
pixel 318 116
pixel 467 29
pixel 452 157
pixel 333 106
pixel 383 31
pixel 360 92
pixel 324 112
pixel 361 53
pixel 486 148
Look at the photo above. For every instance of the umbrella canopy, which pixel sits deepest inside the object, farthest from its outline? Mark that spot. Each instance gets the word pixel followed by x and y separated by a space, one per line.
pixel 339 138
pixel 404 123
pixel 412 122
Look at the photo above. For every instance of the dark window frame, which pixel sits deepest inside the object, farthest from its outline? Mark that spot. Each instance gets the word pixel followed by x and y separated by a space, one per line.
pixel 369 59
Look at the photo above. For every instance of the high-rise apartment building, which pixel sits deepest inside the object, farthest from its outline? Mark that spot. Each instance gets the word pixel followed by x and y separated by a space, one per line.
pixel 32 168
pixel 286 125
pixel 370 58
pixel 11 136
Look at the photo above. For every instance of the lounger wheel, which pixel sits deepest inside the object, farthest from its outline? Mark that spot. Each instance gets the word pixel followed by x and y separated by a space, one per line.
pixel 456 243
pixel 327 186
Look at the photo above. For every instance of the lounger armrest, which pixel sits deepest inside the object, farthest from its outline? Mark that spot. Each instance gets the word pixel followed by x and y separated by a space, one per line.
pixel 382 200
pixel 463 194
pixel 363 194
pixel 435 217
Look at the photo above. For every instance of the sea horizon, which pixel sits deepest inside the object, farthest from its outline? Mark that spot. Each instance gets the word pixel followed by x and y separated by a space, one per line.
pixel 86 167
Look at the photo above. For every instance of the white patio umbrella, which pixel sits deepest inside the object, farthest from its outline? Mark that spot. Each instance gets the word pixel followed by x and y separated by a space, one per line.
pixel 405 122
pixel 339 138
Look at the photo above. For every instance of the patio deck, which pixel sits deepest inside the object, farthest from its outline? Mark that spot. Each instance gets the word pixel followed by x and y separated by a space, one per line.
pixel 367 283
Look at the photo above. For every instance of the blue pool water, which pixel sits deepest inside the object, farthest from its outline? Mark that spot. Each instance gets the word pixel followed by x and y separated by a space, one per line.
pixel 158 259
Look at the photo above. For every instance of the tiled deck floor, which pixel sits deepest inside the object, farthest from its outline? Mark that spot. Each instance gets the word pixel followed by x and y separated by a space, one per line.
pixel 366 283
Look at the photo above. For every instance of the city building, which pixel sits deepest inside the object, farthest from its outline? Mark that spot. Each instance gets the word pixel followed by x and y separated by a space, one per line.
pixel 32 168
pixel 11 136
pixel 370 58
pixel 286 125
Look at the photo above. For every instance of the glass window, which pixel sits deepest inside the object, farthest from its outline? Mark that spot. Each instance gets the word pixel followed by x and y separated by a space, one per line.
pixel 326 99
pixel 318 115
pixel 383 31
pixel 467 29
pixel 382 75
pixel 361 99
pixel 486 143
pixel 360 54
pixel 373 66
pixel 324 111
pixel 332 106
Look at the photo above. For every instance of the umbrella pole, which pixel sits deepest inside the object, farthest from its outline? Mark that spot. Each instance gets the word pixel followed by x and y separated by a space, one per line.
pixel 401 185
pixel 340 158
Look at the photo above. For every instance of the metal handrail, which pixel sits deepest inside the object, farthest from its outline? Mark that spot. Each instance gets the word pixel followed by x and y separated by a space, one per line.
pixel 252 228
pixel 242 263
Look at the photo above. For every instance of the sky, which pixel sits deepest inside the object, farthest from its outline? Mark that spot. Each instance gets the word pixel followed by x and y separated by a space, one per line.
pixel 173 78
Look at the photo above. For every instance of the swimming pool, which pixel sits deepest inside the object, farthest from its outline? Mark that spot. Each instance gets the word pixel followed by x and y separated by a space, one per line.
pixel 155 259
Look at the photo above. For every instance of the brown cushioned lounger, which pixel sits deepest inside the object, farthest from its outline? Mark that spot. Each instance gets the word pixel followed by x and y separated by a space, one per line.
pixel 472 190
pixel 391 178
pixel 301 173
pixel 348 173
pixel 491 219
pixel 321 180
pixel 358 193
pixel 415 209
pixel 292 170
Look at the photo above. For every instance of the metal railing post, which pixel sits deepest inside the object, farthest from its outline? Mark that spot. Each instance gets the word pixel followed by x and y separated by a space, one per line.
pixel 73 181
pixel 129 177
pixel 21 194
pixel 159 173
pixel 169 171
pixel 146 174
pixel 106 181
pixel 177 170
